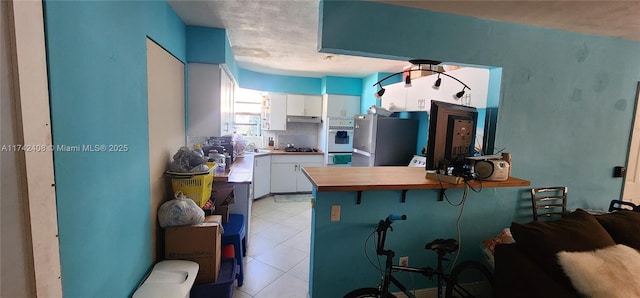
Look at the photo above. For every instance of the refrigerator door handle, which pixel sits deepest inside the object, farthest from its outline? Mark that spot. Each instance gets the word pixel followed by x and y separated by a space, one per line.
pixel 361 152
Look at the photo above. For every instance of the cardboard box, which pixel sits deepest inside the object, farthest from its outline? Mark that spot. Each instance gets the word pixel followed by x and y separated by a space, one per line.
pixel 223 193
pixel 222 211
pixel 200 243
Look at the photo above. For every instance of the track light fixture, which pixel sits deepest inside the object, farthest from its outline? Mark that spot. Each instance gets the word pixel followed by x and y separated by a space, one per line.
pixel 436 85
pixel 380 92
pixel 407 80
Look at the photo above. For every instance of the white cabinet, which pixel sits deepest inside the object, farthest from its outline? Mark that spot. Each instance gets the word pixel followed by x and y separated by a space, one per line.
pixel 261 175
pixel 340 106
pixel 210 104
pixel 418 99
pixel 304 105
pixel 287 175
pixel 274 112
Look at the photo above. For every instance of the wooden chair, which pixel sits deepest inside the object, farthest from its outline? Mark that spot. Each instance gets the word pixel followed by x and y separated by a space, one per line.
pixel 616 205
pixel 549 201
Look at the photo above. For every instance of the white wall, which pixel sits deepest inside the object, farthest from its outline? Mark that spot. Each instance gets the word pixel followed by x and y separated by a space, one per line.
pixel 15 271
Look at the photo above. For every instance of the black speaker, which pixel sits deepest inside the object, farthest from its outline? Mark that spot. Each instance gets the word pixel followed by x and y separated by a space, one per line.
pixel 483 169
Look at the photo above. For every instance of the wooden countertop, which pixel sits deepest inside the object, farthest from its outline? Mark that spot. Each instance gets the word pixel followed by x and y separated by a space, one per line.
pixel 387 178
pixel 241 171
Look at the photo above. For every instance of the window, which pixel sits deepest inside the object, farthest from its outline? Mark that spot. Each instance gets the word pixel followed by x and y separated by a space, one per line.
pixel 248 109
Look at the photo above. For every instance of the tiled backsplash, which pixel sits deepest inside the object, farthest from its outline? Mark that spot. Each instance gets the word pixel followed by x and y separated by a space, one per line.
pixel 299 134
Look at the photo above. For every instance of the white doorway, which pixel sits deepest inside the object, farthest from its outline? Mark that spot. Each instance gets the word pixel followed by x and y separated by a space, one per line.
pixel 631 188
pixel 165 97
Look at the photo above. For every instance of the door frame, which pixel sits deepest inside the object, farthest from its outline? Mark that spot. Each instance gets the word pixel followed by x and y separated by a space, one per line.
pixel 632 172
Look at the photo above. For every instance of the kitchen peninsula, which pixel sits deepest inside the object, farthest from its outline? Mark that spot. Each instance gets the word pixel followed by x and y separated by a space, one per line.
pixel 365 195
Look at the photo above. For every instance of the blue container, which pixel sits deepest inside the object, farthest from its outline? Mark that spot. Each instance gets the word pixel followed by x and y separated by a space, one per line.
pixel 223 287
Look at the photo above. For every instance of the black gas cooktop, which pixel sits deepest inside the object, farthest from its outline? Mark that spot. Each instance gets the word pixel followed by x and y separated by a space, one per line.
pixel 300 149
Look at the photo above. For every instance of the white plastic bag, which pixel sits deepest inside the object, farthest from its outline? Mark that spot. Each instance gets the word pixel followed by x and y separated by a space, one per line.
pixel 180 211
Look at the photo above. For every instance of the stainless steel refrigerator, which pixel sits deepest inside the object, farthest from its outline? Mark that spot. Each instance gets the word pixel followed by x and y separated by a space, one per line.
pixel 383 141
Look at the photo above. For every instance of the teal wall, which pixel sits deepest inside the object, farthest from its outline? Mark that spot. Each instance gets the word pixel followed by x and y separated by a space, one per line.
pixel 343 242
pixel 565 109
pixel 341 85
pixel 279 84
pixel 206 45
pixel 298 85
pixel 97 67
pixel 368 89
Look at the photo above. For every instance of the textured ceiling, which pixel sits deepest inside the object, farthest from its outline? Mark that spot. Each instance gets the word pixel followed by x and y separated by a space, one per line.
pixel 281 36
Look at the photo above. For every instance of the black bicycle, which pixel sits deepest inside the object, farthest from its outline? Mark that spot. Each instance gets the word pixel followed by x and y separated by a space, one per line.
pixel 467 279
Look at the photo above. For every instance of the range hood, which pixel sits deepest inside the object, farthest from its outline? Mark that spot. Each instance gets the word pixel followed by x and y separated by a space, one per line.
pixel 304 119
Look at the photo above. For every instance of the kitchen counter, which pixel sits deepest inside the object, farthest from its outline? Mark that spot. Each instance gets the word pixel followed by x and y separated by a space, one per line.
pixel 241 170
pixel 282 152
pixel 387 178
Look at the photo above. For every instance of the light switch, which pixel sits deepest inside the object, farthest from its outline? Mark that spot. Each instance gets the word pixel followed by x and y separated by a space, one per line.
pixel 335 213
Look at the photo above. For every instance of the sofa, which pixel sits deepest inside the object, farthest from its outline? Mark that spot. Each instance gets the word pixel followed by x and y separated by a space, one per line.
pixel 546 257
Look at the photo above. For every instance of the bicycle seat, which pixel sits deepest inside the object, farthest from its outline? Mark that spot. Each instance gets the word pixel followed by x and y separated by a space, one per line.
pixel 445 245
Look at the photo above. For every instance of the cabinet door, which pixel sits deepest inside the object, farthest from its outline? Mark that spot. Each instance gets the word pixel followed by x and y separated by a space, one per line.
pixel 204 100
pixel 313 105
pixel 277 115
pixel 295 104
pixel 342 106
pixel 283 177
pixel 261 176
pixel 421 92
pixel 302 182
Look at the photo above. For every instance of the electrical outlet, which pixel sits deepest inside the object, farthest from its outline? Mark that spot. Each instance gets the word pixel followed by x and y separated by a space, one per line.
pixel 404 261
pixel 335 213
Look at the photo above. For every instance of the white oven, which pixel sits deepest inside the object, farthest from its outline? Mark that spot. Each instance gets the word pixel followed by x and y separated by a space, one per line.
pixel 340 135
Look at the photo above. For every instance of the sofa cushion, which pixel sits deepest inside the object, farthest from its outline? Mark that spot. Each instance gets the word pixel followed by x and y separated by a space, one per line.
pixel 541 241
pixel 623 226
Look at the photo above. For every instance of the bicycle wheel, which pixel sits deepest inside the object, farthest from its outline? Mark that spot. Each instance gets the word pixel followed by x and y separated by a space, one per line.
pixel 469 279
pixel 366 293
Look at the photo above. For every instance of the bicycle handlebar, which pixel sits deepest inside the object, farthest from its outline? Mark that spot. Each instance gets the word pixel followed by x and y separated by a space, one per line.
pixel 393 217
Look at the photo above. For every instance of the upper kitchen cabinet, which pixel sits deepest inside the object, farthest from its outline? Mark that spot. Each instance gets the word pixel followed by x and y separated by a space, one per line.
pixel 304 105
pixel 340 106
pixel 210 105
pixel 274 112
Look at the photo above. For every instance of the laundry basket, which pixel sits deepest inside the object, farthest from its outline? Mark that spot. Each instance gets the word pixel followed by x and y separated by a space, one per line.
pixel 194 186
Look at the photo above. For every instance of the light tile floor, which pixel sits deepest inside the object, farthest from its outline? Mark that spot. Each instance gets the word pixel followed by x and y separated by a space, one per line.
pixel 277 261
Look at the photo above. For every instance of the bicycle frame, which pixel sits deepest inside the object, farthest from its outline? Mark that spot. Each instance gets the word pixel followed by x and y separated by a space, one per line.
pixel 388 277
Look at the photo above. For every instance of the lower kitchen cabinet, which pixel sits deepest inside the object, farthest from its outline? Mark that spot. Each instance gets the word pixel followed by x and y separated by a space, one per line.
pixel 287 175
pixel 261 176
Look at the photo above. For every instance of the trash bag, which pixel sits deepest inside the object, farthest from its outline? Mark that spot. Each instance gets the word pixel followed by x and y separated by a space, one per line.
pixel 185 160
pixel 180 211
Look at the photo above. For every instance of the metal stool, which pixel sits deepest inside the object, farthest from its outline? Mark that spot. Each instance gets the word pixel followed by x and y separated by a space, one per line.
pixel 234 233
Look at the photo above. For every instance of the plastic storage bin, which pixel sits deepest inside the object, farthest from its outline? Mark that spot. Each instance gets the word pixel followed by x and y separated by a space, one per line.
pixel 196 187
pixel 223 287
pixel 171 278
